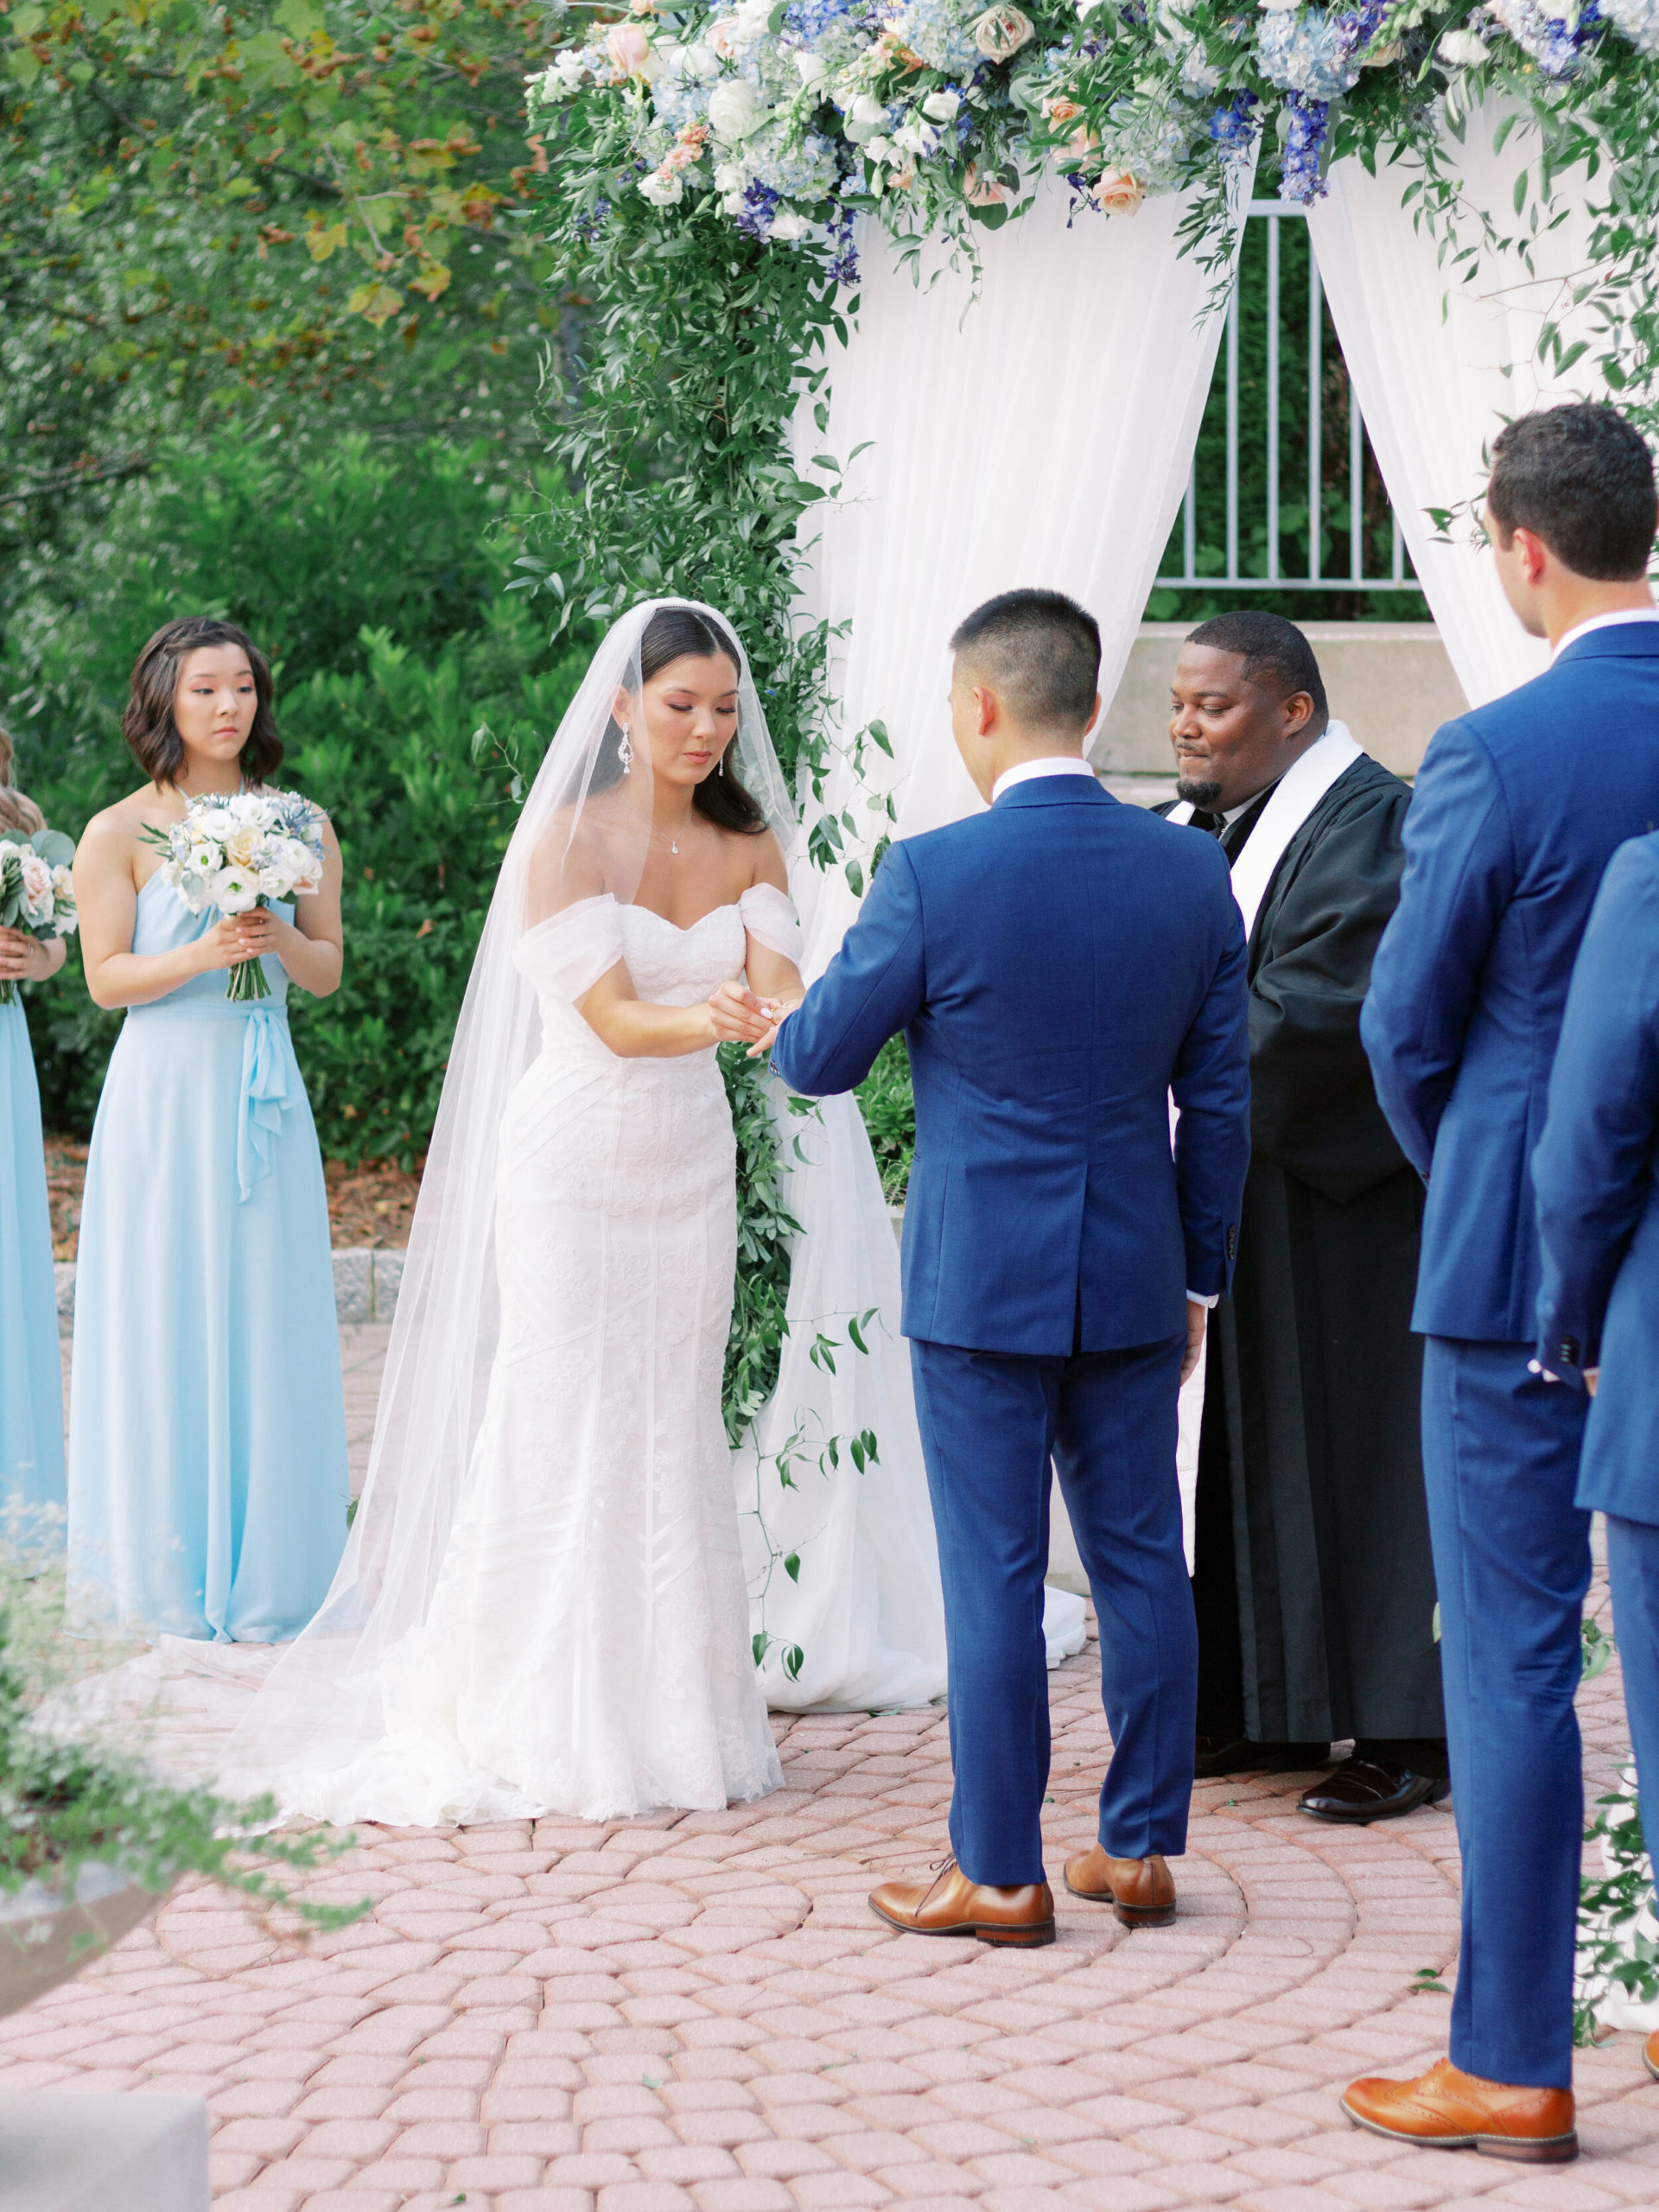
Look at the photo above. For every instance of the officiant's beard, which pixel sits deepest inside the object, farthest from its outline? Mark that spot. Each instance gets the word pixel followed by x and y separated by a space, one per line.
pixel 1203 795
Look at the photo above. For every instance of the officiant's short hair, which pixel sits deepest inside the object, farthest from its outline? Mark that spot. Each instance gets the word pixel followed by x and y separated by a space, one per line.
pixel 1580 477
pixel 1269 646
pixel 1041 650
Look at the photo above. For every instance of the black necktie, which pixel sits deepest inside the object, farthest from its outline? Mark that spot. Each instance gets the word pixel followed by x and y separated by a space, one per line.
pixel 1212 824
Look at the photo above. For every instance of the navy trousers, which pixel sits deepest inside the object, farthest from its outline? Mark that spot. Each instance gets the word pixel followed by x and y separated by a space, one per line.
pixel 1633 1571
pixel 991 1422
pixel 1511 1564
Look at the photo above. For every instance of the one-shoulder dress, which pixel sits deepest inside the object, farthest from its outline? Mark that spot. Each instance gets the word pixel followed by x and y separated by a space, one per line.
pixel 207 1466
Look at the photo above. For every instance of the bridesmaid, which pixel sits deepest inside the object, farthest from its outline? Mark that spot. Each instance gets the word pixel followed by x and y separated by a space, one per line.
pixel 31 1375
pixel 207 1477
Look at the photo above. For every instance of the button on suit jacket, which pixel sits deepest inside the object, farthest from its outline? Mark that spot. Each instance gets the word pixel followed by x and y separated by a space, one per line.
pixel 1059 965
pixel 1519 807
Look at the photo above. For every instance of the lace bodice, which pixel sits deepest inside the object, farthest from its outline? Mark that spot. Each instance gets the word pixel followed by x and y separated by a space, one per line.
pixel 677 967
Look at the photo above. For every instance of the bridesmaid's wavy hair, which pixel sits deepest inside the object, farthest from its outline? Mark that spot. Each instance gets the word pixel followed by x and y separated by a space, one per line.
pixel 148 724
pixel 676 634
pixel 16 812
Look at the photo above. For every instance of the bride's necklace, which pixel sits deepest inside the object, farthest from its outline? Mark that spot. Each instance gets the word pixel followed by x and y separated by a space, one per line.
pixel 672 839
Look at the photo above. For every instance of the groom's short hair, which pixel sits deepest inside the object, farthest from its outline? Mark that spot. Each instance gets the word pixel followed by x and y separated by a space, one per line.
pixel 1041 651
pixel 1579 477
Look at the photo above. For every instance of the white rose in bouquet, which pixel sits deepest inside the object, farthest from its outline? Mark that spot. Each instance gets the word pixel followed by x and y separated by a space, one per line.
pixel 789 226
pixel 1002 31
pixel 240 853
pixel 661 189
pixel 735 112
pixel 812 67
pixel 37 893
pixel 37 887
pixel 941 107
pixel 864 118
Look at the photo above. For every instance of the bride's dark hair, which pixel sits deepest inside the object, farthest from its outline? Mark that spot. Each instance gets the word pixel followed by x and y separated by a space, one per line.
pixel 676 634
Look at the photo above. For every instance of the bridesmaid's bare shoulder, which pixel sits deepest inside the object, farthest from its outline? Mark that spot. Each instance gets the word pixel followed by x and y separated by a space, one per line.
pixel 110 839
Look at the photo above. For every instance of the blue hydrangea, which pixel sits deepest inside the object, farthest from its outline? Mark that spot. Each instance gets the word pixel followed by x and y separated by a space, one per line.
pixel 940 32
pixel 1559 47
pixel 1636 20
pixel 1311 53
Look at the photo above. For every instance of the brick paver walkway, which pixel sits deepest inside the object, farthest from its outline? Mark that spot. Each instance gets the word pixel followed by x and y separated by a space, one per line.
pixel 697 2013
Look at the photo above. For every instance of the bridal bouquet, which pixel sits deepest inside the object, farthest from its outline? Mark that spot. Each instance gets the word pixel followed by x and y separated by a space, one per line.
pixel 37 893
pixel 235 854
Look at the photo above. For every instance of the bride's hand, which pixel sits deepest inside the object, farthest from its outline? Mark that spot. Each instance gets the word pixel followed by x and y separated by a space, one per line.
pixel 777 1012
pixel 735 1016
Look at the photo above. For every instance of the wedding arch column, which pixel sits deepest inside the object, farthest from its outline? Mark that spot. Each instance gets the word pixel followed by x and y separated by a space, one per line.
pixel 1036 428
pixel 1439 364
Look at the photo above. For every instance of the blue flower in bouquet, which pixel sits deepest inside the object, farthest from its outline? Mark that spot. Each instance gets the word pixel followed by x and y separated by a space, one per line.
pixel 1233 127
pixel 1556 43
pixel 940 32
pixel 1312 53
pixel 1299 158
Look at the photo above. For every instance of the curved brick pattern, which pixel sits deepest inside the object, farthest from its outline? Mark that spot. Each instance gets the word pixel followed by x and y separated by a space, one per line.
pixel 698 2013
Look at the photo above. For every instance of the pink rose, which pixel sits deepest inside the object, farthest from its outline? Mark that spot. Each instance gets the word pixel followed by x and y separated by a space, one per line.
pixel 1060 112
pixel 1117 192
pixel 723 37
pixel 629 49
pixel 983 191
pixel 1002 31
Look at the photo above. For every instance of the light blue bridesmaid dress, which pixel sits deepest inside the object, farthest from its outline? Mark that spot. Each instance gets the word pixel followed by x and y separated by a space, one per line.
pixel 31 1376
pixel 207 1476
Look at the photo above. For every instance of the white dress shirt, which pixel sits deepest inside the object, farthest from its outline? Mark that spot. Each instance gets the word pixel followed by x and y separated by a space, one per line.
pixel 1604 622
pixel 1026 772
pixel 1070 764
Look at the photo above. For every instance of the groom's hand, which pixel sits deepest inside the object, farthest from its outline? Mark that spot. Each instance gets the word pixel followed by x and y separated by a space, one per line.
pixel 777 1011
pixel 1197 1315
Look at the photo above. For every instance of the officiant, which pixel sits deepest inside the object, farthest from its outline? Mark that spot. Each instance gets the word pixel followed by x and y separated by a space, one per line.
pixel 1313 1581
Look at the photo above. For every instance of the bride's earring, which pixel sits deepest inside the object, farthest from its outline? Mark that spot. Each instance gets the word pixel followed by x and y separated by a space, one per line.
pixel 625 752
pixel 721 769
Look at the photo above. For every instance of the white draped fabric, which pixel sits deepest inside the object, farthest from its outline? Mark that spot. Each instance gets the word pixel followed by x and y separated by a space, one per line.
pixel 1440 364
pixel 1041 432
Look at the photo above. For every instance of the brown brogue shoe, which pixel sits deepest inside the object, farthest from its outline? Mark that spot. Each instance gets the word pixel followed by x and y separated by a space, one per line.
pixel 1450 2110
pixel 1141 1891
pixel 952 1905
pixel 1650 2054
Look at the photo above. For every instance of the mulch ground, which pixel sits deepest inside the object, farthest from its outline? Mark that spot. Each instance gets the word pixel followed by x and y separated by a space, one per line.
pixel 373 1202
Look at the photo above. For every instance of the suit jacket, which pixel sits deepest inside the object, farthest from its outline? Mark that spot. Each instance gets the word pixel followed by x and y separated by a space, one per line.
pixel 1597 1199
pixel 1057 965
pixel 1519 807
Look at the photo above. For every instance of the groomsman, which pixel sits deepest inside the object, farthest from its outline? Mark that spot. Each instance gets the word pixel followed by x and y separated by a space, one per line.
pixel 1313 1582
pixel 1598 1227
pixel 1519 807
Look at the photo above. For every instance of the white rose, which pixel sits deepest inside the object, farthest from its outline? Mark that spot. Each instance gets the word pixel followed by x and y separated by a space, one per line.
pixel 879 150
pixel 215 823
pixel 1002 31
pixel 663 190
pixel 63 882
pixel 916 139
pixel 734 111
pixel 812 67
pixel 864 118
pixel 789 227
pixel 1278 7
pixel 1463 50
pixel 941 107
pixel 754 20
pixel 697 62
pixel 731 177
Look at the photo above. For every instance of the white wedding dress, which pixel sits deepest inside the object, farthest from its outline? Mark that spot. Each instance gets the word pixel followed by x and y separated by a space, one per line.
pixel 587 1649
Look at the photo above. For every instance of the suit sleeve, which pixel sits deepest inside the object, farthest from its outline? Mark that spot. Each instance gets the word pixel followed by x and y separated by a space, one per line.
pixel 1592 1171
pixel 1314 1108
pixel 1459 875
pixel 1211 1086
pixel 873 989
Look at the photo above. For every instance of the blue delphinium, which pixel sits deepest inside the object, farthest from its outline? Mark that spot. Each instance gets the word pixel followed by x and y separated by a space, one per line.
pixel 1299 158
pixel 1233 127
pixel 843 255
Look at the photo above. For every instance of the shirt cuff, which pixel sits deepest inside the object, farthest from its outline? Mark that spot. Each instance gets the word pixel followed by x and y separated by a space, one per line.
pixel 1195 1298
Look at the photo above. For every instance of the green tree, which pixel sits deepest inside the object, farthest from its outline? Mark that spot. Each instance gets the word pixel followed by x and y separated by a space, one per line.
pixel 282 213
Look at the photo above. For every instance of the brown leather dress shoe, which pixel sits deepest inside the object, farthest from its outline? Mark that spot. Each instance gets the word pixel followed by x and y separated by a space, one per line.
pixel 952 1905
pixel 1650 2054
pixel 1454 2111
pixel 1141 1891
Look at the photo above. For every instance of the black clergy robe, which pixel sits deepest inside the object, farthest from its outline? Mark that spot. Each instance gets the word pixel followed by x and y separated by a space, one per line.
pixel 1313 1581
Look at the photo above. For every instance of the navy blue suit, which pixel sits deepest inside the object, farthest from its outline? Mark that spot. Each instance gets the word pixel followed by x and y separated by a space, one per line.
pixel 1519 807
pixel 1599 1223
pixel 1057 965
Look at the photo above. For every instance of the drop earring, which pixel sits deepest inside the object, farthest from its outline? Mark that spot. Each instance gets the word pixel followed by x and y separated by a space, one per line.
pixel 721 769
pixel 625 752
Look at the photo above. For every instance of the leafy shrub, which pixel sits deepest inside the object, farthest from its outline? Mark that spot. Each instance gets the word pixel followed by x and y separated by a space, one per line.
pixel 376 585
pixel 888 1105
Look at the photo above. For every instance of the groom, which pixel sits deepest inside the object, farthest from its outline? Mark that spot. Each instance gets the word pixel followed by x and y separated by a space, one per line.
pixel 1060 966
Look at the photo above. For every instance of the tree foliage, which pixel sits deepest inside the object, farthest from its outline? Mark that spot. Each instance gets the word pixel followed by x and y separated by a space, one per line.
pixel 277 211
